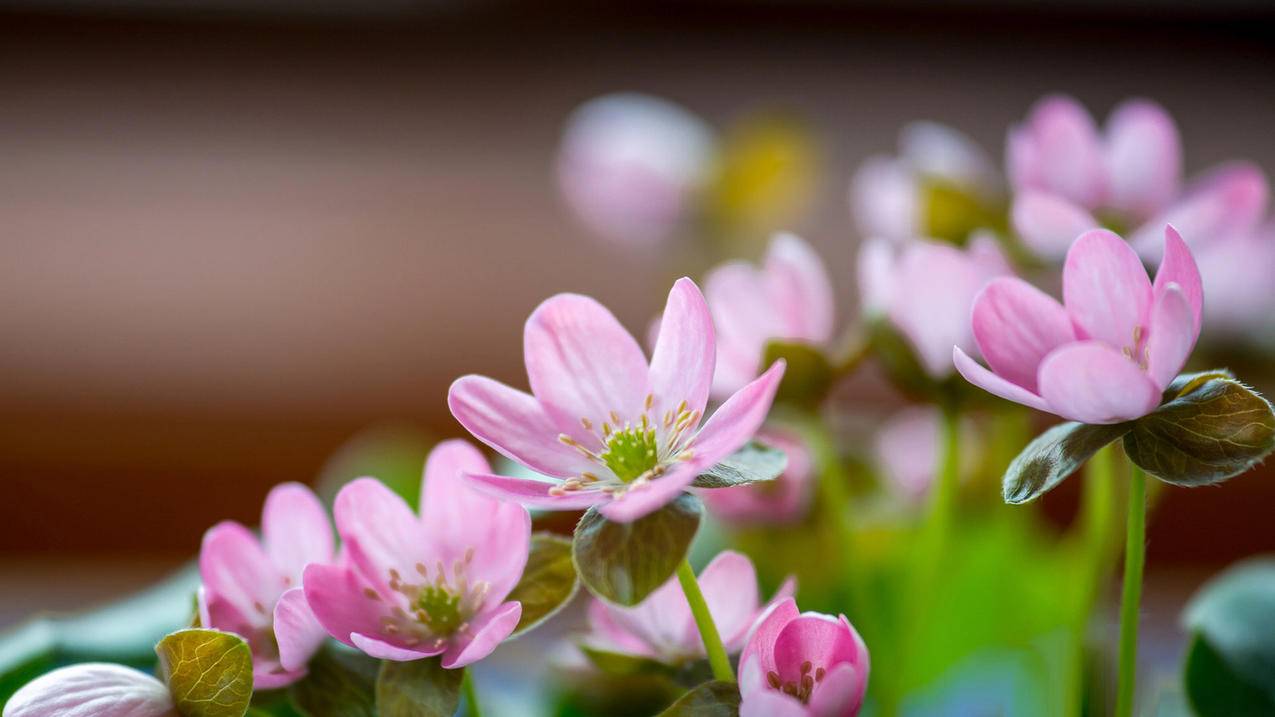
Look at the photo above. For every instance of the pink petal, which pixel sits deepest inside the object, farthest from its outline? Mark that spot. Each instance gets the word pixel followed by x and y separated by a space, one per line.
pixel 1105 289
pixel 383 650
pixel 761 641
pixel 800 289
pixel 884 199
pixel 840 693
pixel 609 629
pixel 217 612
pixel 1227 201
pixel 1178 267
pixel 745 320
pixel 534 493
pixel 822 639
pixel 685 352
pixel 938 151
pixel 1171 335
pixel 487 632
pixel 974 372
pixel 1091 382
pixel 933 314
pixel 1068 151
pixel 338 598
pixel 92 689
pixel 515 424
pixel 296 630
pixel 380 532
pixel 1144 158
pixel 907 447
pixel 270 676
pixel 875 274
pixel 771 703
pixel 1015 326
pixel 736 420
pixel 729 584
pixel 650 497
pixel 295 529
pixel 234 568
pixel 583 364
pixel 1049 223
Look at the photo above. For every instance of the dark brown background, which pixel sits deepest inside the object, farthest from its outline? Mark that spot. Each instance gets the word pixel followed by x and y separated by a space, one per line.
pixel 230 239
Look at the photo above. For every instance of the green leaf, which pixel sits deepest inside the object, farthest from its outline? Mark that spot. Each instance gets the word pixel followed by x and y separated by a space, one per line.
pixel 1187 382
pixel 711 699
pixel 548 582
pixel 809 373
pixel 1052 456
pixel 420 688
pixel 1215 429
pixel 624 562
pixel 1233 617
pixel 341 682
pixel 208 672
pixel 621 664
pixel 753 463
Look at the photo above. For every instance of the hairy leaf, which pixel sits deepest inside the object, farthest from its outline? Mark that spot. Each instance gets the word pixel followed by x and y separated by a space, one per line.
pixel 420 688
pixel 711 699
pixel 1054 455
pixel 753 463
pixel 341 683
pixel 624 562
pixel 548 582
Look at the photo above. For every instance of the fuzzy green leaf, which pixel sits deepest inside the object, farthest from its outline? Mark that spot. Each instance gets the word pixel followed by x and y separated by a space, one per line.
pixel 1052 456
pixel 711 699
pixel 548 582
pixel 753 463
pixel 208 672
pixel 421 688
pixel 341 682
pixel 624 562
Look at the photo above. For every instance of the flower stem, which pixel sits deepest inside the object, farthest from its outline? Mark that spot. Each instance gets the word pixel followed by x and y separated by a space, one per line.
pixel 943 505
pixel 717 658
pixel 1097 514
pixel 1134 559
pixel 471 695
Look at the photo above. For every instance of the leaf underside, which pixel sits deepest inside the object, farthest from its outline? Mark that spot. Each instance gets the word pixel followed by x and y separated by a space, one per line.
pixel 548 581
pixel 755 462
pixel 1054 455
pixel 622 563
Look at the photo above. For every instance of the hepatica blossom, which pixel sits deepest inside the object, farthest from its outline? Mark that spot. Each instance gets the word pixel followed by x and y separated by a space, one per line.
pixel 422 585
pixel 662 628
pixel 92 689
pixel 609 428
pixel 803 665
pixel 782 500
pixel 1108 351
pixel 788 298
pixel 252 587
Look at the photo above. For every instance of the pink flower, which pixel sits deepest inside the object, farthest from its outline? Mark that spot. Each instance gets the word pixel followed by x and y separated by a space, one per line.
pixel 419 586
pixel 662 628
pixel 92 689
pixel 630 166
pixel 252 587
pixel 803 665
pixel 1068 177
pixel 1109 354
pixel 788 298
pixel 782 500
pixel 1236 273
pixel 609 428
pixel 925 289
pixel 887 194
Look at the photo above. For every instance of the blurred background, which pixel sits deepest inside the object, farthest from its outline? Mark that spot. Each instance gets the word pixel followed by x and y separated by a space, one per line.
pixel 234 234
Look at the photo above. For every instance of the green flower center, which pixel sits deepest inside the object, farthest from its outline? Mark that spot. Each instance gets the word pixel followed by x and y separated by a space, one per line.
pixel 631 452
pixel 439 609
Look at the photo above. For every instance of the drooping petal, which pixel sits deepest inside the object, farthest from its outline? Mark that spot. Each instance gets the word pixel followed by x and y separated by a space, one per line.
pixel 745 320
pixel 341 603
pixel 296 630
pixel 884 199
pixel 685 352
pixel 534 493
pixel 1049 223
pixel 840 692
pixel 1171 336
pixel 234 568
pixel 583 364
pixel 650 497
pixel 514 424
pixel 1228 201
pixel 1016 325
pixel 295 529
pixel 1091 382
pixel 1106 290
pixel 974 372
pixel 382 649
pixel 380 532
pixel 800 289
pixel 92 689
pixel 1068 151
pixel 1144 158
pixel 771 703
pixel 818 638
pixel 1179 267
pixel 736 420
pixel 729 584
pixel 488 631
pixel 761 641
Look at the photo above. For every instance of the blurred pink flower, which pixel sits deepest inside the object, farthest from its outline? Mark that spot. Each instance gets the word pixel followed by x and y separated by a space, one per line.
pixel 1109 354
pixel 609 428
pixel 418 586
pixel 887 193
pixel 630 165
pixel 252 587
pixel 92 689
pixel 1068 178
pixel 925 289
pixel 782 500
pixel 788 298
pixel 662 628
pixel 803 665
pixel 1237 279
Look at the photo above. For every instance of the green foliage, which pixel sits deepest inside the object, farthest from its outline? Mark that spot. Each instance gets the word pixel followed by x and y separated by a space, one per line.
pixel 1054 455
pixel 341 683
pixel 1230 668
pixel 711 699
pixel 624 562
pixel 420 688
pixel 808 376
pixel 208 672
pixel 392 453
pixel 753 463
pixel 548 582
pixel 621 664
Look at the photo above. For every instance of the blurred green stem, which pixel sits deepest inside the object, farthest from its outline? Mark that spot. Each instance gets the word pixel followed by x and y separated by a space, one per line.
pixel 1097 516
pixel 1134 559
pixel 471 694
pixel 717 658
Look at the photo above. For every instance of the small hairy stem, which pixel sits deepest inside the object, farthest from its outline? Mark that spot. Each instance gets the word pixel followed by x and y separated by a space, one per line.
pixel 1134 559
pixel 471 694
pixel 713 646
pixel 1097 516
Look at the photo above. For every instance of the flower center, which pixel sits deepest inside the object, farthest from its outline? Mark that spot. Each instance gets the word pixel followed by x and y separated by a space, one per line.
pixel 630 452
pixel 801 687
pixel 1137 351
pixel 433 609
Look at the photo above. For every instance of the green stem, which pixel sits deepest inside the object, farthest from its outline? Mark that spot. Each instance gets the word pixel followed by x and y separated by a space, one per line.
pixel 717 658
pixel 1097 513
pixel 1134 559
pixel 947 482
pixel 471 695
